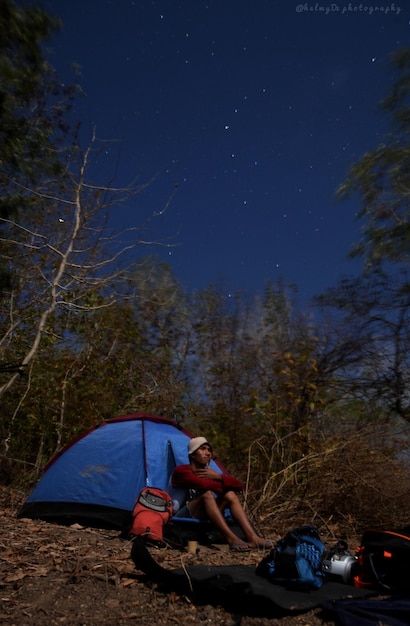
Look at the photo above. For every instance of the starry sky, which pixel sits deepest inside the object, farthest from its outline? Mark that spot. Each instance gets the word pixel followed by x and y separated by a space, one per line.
pixel 256 109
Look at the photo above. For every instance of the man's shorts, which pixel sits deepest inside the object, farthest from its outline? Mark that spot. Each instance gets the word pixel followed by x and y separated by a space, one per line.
pixel 184 512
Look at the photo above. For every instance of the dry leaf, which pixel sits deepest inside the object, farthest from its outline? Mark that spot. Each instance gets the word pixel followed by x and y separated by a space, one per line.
pixel 15 576
pixel 38 571
pixel 47 547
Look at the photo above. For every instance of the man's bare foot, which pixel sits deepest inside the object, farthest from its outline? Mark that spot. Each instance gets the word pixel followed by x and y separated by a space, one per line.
pixel 239 546
pixel 259 543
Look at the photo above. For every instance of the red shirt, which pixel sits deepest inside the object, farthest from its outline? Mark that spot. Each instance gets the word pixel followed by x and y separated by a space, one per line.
pixel 184 478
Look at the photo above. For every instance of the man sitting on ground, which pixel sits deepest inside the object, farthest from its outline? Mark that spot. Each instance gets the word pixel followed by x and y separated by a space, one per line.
pixel 211 493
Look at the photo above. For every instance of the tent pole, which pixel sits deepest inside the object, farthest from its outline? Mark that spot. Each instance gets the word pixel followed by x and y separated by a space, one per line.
pixel 144 451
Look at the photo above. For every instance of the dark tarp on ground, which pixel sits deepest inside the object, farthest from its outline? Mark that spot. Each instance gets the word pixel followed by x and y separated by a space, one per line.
pixel 237 587
pixel 393 611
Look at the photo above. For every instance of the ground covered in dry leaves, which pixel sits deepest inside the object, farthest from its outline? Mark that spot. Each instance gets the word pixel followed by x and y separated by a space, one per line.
pixel 52 574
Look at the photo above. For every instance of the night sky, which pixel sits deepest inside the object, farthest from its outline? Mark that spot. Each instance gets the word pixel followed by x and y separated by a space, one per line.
pixel 255 108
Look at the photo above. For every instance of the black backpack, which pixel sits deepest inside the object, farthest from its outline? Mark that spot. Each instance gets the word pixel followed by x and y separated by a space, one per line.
pixel 384 560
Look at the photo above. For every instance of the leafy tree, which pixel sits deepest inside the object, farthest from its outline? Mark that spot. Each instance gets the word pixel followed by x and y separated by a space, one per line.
pixel 382 180
pixel 254 370
pixel 34 106
pixel 65 288
pixel 369 355
pixel 98 362
pixel 33 109
pixel 224 367
pixel 369 350
pixel 159 316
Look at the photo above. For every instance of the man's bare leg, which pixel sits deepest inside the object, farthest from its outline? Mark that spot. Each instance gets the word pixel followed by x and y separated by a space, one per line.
pixel 206 506
pixel 232 502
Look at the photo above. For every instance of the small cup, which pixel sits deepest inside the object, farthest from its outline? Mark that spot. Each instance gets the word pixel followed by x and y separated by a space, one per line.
pixel 192 547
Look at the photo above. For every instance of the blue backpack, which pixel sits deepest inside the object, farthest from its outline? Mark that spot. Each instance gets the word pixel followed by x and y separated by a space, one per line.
pixel 296 560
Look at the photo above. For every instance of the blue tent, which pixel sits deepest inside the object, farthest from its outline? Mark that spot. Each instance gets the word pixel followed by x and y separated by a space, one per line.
pixel 97 477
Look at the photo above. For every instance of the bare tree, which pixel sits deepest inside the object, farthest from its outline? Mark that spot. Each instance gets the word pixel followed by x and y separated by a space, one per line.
pixel 64 260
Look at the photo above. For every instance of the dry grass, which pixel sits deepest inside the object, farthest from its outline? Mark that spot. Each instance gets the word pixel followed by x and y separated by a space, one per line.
pixel 342 483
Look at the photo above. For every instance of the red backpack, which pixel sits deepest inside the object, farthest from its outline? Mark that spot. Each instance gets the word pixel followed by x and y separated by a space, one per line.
pixel 152 510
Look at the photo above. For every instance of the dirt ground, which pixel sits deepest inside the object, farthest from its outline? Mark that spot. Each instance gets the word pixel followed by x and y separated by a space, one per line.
pixel 52 574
